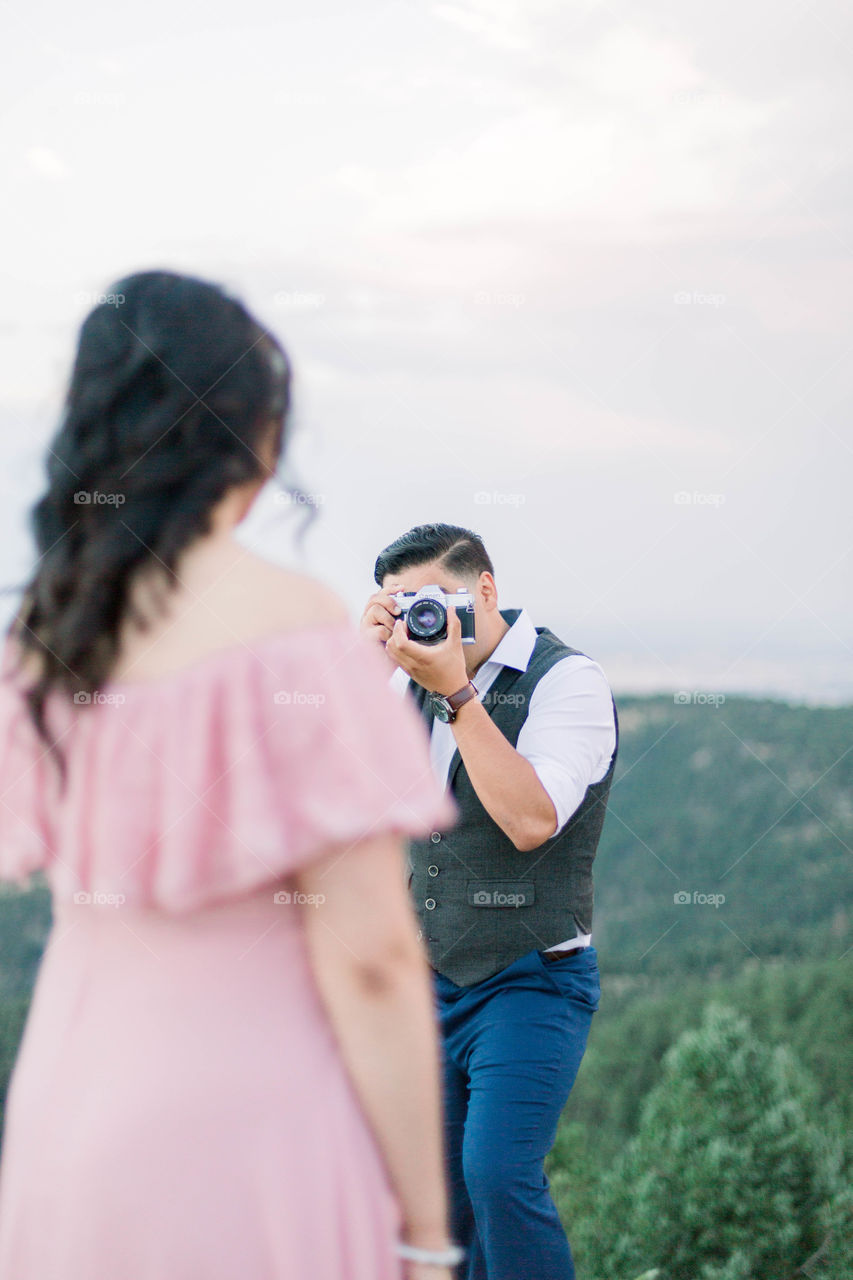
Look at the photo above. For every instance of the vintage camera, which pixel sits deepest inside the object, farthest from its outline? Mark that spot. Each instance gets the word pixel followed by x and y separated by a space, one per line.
pixel 425 613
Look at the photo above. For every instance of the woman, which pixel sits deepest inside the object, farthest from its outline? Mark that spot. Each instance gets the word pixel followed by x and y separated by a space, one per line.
pixel 230 1064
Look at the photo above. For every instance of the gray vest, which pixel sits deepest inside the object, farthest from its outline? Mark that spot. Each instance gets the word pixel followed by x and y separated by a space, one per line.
pixel 482 904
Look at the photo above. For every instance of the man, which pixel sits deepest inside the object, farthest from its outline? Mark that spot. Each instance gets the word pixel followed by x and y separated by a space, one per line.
pixel 524 730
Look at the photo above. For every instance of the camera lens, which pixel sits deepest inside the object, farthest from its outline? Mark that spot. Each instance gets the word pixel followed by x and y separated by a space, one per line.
pixel 427 619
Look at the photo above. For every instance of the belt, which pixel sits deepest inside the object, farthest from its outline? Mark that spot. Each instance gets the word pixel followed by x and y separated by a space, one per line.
pixel 558 955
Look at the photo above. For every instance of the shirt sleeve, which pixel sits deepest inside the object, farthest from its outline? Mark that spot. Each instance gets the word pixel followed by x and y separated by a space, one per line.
pixel 399 681
pixel 569 735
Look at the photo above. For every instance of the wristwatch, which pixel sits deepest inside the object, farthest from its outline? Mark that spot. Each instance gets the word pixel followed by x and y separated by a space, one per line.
pixel 445 708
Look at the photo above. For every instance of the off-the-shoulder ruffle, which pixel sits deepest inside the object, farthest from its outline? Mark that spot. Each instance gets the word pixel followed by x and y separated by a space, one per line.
pixel 209 782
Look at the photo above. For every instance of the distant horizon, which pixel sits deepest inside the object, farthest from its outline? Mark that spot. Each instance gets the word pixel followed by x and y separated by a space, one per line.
pixel 621 671
pixel 806 701
pixel 664 664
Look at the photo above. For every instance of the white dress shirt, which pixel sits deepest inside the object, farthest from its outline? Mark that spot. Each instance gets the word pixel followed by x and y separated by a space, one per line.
pixel 568 736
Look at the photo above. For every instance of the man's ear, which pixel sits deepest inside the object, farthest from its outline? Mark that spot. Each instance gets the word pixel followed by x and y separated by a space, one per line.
pixel 489 591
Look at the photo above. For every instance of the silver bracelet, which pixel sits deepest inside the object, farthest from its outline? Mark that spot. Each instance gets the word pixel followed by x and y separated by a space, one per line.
pixel 448 1257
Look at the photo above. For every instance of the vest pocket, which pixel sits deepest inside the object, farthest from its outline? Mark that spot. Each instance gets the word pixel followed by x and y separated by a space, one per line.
pixel 501 893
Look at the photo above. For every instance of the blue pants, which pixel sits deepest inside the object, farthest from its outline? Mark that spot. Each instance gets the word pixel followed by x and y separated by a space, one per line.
pixel 512 1045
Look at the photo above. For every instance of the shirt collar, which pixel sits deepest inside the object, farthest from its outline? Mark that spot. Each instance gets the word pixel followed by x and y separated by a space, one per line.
pixel 515 646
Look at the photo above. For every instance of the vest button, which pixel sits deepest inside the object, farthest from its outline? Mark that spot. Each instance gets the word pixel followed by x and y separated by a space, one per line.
pixel 433 870
pixel 435 837
pixel 429 904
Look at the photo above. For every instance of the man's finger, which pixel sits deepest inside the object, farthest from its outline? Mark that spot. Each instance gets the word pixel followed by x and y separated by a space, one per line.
pixel 399 636
pixel 382 613
pixel 381 610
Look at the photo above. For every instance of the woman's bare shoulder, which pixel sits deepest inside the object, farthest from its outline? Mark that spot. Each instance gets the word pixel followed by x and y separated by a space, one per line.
pixel 230 595
pixel 286 595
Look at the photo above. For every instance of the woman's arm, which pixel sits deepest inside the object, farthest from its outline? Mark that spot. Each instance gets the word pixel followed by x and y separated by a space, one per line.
pixel 374 980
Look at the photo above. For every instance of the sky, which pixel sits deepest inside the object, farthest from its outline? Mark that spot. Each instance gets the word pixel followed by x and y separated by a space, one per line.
pixel 578 276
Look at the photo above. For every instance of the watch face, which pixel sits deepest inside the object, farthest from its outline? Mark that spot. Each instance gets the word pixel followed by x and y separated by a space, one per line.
pixel 440 710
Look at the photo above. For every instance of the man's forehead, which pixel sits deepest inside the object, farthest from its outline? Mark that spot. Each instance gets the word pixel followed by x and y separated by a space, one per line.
pixel 426 575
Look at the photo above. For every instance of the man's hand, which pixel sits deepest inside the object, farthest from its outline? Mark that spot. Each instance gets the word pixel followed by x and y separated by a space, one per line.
pixel 440 668
pixel 380 614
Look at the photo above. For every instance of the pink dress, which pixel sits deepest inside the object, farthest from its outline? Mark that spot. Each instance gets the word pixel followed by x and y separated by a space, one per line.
pixel 179 1108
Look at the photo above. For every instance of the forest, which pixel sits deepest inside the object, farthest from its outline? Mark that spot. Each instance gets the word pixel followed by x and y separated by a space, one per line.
pixel 707 1136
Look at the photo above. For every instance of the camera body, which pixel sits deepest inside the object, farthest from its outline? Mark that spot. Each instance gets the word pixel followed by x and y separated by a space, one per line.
pixel 425 613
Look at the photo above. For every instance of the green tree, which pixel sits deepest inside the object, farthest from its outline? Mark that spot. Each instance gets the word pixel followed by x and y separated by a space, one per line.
pixel 13 1016
pixel 729 1177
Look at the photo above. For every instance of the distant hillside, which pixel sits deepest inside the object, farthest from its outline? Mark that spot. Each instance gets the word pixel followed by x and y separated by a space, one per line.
pixel 751 800
pixel 747 801
pixel 24 923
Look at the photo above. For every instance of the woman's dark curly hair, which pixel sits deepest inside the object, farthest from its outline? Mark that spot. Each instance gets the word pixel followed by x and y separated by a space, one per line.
pixel 174 394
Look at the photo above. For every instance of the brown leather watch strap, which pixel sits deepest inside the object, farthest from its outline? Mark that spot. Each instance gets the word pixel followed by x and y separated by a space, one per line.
pixel 463 695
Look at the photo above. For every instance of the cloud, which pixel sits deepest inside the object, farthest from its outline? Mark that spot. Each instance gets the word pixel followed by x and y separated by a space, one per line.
pixel 46 163
pixel 632 132
pixel 507 24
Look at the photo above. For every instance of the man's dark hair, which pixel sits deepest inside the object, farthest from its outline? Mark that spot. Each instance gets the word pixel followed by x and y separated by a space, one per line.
pixel 460 551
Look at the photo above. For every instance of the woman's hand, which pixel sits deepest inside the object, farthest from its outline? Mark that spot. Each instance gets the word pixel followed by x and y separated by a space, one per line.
pixel 422 1271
